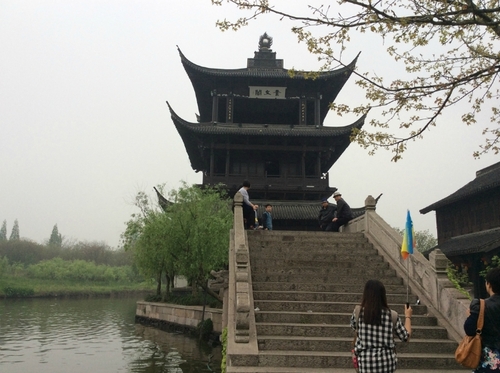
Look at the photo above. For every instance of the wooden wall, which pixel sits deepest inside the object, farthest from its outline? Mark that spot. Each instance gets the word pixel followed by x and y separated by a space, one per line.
pixel 473 214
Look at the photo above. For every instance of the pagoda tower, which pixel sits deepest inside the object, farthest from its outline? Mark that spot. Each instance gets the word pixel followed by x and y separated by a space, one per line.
pixel 264 124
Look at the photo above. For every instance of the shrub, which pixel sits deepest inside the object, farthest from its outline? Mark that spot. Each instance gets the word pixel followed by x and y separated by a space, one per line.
pixel 4 265
pixel 14 292
pixel 459 278
pixel 223 340
pixel 205 328
pixel 80 270
pixel 495 263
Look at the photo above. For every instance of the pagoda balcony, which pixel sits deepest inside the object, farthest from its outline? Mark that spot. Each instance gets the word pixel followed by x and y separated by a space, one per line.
pixel 313 183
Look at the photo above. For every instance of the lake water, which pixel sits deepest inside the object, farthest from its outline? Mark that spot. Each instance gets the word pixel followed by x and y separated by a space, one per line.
pixel 93 336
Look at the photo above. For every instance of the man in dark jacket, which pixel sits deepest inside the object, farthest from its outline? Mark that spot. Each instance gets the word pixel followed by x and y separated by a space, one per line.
pixel 344 213
pixel 326 214
pixel 490 335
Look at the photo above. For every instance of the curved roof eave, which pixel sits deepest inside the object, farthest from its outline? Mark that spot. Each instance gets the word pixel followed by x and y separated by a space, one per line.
pixel 265 72
pixel 263 130
pixel 196 159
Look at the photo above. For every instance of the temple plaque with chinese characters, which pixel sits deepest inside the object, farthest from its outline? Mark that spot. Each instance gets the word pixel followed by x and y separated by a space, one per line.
pixel 267 92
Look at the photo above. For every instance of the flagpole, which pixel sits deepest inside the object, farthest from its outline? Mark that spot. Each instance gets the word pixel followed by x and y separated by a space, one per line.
pixel 408 283
pixel 407 249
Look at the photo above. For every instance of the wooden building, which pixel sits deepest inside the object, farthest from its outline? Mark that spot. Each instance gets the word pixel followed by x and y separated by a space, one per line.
pixel 264 123
pixel 468 224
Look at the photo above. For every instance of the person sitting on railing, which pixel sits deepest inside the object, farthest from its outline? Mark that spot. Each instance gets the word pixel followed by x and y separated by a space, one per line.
pixel 344 214
pixel 326 214
pixel 248 207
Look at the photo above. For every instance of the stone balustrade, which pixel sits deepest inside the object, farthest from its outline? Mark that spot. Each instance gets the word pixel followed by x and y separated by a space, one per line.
pixel 242 335
pixel 426 278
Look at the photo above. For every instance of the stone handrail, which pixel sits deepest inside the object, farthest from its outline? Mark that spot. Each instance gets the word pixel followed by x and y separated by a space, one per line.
pixel 426 278
pixel 242 336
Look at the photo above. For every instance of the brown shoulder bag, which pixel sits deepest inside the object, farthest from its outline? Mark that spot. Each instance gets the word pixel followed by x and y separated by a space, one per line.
pixel 468 352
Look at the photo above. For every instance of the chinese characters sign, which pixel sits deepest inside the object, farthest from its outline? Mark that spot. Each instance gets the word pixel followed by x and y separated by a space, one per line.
pixel 267 92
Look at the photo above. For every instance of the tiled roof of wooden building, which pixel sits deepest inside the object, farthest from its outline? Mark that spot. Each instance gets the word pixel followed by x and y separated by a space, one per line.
pixel 486 179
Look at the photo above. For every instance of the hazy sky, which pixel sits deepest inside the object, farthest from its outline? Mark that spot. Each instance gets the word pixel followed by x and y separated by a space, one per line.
pixel 85 126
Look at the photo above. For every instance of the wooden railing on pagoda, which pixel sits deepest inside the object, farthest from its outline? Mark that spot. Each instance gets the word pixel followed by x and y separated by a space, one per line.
pixel 263 182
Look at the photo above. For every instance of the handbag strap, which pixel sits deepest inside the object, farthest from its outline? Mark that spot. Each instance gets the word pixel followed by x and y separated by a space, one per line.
pixel 480 320
pixel 356 319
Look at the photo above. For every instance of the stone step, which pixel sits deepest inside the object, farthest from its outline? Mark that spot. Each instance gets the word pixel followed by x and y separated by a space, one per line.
pixel 348 287
pixel 263 247
pixel 297 236
pixel 325 270
pixel 239 369
pixel 292 343
pixel 322 296
pixel 323 258
pixel 341 330
pixel 325 318
pixel 305 287
pixel 359 279
pixel 325 359
pixel 290 262
pixel 334 307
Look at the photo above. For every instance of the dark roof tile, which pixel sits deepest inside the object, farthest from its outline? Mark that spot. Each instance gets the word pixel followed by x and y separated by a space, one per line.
pixel 486 179
pixel 478 242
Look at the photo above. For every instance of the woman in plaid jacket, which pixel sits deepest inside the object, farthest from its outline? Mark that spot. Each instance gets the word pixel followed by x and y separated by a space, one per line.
pixel 375 329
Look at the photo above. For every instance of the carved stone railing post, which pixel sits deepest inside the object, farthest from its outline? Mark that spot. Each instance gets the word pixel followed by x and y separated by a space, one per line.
pixel 370 205
pixel 242 306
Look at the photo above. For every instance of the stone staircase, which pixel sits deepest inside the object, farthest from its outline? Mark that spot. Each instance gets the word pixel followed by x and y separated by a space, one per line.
pixel 305 287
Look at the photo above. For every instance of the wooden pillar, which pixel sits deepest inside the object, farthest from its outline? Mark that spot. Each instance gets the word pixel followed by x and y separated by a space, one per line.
pixel 303 165
pixel 475 276
pixel 318 165
pixel 228 160
pixel 317 115
pixel 212 162
pixel 215 106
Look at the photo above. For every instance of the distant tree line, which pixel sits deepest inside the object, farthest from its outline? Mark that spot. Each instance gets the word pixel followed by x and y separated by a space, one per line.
pixel 14 234
pixel 27 252
pixel 54 240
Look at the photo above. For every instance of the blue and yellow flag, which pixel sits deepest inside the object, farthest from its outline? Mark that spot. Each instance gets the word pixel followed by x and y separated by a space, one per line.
pixel 408 238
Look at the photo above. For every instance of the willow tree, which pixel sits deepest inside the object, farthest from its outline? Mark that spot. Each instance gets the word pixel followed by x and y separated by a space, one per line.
pixel 190 237
pixel 146 236
pixel 153 252
pixel 450 50
pixel 201 219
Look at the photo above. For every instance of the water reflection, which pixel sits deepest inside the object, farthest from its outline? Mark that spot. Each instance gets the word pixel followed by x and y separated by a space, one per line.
pixel 93 335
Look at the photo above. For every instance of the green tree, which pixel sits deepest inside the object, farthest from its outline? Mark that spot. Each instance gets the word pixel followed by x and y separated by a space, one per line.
pixel 424 240
pixel 201 219
pixel 14 234
pixel 147 236
pixel 55 237
pixel 189 238
pixel 449 50
pixel 3 232
pixel 154 253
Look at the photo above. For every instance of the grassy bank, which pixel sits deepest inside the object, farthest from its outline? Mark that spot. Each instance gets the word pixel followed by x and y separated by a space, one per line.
pixel 20 287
